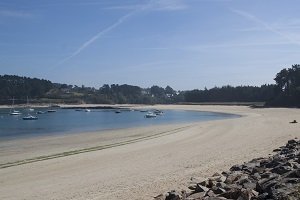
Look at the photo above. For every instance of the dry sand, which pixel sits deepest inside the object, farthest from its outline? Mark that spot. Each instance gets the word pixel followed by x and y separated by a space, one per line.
pixel 145 168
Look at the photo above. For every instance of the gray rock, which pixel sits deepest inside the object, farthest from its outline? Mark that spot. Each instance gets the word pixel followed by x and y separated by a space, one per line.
pixel 160 197
pixel 173 195
pixel 201 188
pixel 249 185
pixel 196 196
pixel 218 190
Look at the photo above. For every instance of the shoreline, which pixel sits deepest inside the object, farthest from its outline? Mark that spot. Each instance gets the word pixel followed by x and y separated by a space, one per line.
pixel 149 167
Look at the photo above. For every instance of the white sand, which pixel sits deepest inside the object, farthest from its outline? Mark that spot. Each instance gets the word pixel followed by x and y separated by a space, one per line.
pixel 146 168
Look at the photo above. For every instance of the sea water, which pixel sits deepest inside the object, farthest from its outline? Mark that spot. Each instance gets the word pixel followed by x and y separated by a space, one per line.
pixel 68 121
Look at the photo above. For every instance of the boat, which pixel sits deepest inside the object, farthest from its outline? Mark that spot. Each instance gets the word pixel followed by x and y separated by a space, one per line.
pixel 150 115
pixel 30 109
pixel 143 110
pixel 15 112
pixel 51 108
pixel 158 112
pixel 12 110
pixel 40 112
pixel 87 110
pixel 118 111
pixel 30 117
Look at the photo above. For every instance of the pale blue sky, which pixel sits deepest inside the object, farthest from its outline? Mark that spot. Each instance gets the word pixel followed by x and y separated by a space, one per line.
pixel 186 44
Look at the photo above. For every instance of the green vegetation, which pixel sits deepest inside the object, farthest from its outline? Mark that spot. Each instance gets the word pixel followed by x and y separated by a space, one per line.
pixel 286 92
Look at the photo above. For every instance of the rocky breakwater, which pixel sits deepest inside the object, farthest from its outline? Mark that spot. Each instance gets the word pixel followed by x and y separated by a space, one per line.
pixel 275 177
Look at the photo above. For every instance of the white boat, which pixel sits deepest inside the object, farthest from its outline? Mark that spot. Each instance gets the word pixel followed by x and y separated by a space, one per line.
pixel 40 112
pixel 150 115
pixel 87 110
pixel 30 117
pixel 51 108
pixel 29 109
pixel 158 112
pixel 12 110
pixel 15 112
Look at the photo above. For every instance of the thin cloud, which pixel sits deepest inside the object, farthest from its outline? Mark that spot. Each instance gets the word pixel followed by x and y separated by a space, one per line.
pixel 15 14
pixel 155 5
pixel 170 5
pixel 232 45
pixel 265 25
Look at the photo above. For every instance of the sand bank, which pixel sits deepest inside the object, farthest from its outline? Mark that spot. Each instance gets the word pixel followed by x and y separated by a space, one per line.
pixel 147 167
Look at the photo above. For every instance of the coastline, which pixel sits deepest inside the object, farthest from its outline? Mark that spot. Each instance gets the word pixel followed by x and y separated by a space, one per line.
pixel 150 166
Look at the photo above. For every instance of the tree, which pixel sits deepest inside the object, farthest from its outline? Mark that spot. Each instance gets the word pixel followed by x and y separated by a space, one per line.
pixel 287 91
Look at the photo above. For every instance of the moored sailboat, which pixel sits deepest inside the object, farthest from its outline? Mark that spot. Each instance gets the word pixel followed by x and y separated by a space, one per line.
pixel 30 117
pixel 12 110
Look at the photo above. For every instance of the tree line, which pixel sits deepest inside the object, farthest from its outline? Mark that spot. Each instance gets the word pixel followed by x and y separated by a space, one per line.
pixel 285 92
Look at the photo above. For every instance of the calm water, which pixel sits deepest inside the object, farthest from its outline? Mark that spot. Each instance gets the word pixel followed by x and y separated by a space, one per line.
pixel 70 121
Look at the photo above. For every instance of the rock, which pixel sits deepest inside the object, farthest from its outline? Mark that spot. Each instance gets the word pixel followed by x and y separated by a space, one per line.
pixel 249 185
pixel 215 198
pixel 201 188
pixel 160 197
pixel 196 196
pixel 276 150
pixel 256 176
pixel 211 193
pixel 247 194
pixel 281 169
pixel 236 168
pixel 293 174
pixel 231 194
pixel 275 177
pixel 292 141
pixel 233 177
pixel 173 195
pixel 217 178
pixel 204 183
pixel 218 190
pixel 221 185
pixel 263 196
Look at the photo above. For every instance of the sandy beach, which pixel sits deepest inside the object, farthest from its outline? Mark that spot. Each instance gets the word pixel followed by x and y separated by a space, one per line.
pixel 155 160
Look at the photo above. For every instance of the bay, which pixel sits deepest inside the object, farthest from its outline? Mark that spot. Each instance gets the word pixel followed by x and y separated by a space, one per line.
pixel 68 121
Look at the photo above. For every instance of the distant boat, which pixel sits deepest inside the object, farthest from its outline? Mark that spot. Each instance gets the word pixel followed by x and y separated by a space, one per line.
pixel 87 110
pixel 40 112
pixel 15 112
pixel 12 110
pixel 30 109
pixel 118 111
pixel 143 110
pixel 150 115
pixel 51 108
pixel 30 117
pixel 158 112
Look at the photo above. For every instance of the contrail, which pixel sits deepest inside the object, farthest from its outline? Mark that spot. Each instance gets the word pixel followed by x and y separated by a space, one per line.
pixel 97 36
pixel 264 24
pixel 149 5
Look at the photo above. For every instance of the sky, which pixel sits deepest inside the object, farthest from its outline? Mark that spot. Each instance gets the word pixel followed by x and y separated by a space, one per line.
pixel 185 44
